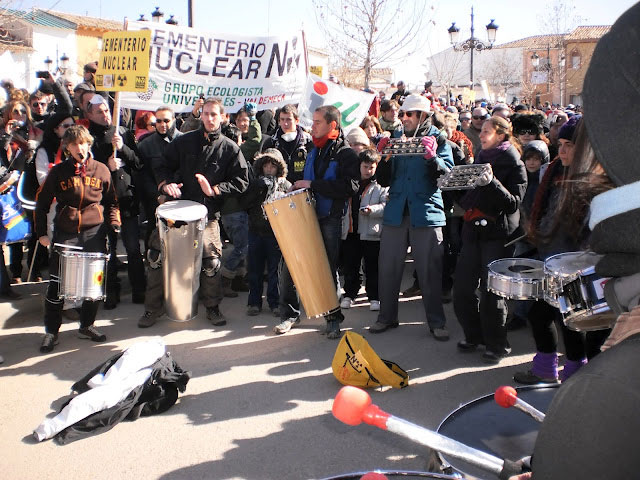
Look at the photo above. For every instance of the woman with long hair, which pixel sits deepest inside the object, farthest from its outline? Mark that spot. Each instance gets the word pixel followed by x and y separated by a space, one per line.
pixel 491 220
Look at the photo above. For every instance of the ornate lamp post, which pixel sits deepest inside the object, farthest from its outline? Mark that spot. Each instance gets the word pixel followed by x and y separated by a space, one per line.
pixel 472 43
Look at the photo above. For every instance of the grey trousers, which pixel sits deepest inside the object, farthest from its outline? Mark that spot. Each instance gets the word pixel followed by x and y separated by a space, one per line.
pixel 427 250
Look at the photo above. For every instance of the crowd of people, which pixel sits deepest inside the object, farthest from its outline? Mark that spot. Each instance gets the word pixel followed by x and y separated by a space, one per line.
pixel 365 202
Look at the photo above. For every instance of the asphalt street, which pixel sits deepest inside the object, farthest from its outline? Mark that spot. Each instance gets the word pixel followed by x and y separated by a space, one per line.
pixel 258 405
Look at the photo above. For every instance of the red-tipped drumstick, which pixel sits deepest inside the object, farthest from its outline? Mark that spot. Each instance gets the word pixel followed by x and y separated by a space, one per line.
pixel 508 397
pixel 353 406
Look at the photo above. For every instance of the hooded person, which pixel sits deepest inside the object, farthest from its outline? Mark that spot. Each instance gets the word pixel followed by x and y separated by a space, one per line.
pixel 606 389
pixel 535 156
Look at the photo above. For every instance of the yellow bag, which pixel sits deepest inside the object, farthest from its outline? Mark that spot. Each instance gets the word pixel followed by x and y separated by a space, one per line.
pixel 355 363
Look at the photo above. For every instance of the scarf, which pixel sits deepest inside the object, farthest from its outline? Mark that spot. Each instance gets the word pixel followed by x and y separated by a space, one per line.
pixel 322 141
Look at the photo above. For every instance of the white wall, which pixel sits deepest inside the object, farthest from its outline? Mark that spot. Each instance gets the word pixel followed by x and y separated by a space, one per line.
pixel 45 41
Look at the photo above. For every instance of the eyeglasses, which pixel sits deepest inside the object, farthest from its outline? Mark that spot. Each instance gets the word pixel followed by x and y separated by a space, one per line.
pixel 411 114
pixel 462 119
pixel 478 117
pixel 527 131
pixel 19 111
pixel 39 104
pixel 66 125
pixel 162 120
pixel 152 124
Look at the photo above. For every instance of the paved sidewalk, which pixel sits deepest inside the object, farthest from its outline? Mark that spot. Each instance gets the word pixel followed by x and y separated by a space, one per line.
pixel 258 405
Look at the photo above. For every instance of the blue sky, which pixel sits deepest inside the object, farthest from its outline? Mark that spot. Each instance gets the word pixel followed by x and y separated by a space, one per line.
pixel 516 19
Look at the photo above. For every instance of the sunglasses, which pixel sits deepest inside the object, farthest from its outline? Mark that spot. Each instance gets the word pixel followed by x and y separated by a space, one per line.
pixel 66 125
pixel 37 104
pixel 152 124
pixel 462 119
pixel 478 117
pixel 527 131
pixel 19 111
pixel 162 120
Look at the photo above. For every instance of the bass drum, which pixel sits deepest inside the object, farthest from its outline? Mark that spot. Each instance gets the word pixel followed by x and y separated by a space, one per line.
pixel 390 474
pixel 503 432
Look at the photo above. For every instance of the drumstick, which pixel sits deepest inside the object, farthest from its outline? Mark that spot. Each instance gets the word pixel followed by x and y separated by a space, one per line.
pixel 515 240
pixel 508 397
pixel 64 245
pixel 353 406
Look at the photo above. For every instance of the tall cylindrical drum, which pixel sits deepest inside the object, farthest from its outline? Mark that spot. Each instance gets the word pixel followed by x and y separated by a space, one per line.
pixel 181 225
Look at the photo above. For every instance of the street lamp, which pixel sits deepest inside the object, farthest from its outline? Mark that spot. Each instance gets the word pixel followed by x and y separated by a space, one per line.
pixel 157 15
pixel 64 64
pixel 472 43
pixel 47 64
pixel 535 62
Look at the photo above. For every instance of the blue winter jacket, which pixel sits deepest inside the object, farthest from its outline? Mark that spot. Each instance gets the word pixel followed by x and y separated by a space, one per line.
pixel 413 183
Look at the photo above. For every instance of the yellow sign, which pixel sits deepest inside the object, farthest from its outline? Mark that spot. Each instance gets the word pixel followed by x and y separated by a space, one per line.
pixel 316 70
pixel 124 62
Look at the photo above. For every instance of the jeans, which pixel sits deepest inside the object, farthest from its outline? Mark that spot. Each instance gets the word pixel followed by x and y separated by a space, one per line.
pixel 130 235
pixel 237 227
pixel 263 249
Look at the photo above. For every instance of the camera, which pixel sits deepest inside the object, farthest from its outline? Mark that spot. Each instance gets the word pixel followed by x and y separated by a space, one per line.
pixel 42 74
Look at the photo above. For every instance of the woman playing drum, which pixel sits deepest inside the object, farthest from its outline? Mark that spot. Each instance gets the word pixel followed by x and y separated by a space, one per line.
pixel 84 192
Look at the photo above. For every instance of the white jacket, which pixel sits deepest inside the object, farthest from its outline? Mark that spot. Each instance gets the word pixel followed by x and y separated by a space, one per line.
pixel 369 226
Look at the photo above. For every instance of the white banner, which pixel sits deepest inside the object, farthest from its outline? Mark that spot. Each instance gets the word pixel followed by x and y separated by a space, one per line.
pixel 353 104
pixel 186 63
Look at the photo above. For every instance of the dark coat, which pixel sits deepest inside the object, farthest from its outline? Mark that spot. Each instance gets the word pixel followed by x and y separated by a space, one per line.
pixel 294 153
pixel 219 160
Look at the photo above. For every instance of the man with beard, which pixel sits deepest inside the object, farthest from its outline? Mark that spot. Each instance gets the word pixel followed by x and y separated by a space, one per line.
pixel 122 166
pixel 414 215
pixel 204 166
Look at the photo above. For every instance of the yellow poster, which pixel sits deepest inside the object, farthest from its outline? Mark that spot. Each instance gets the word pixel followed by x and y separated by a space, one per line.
pixel 316 70
pixel 124 61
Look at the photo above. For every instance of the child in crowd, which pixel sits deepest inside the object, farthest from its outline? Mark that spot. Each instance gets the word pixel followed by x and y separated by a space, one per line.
pixel 271 182
pixel 87 206
pixel 361 229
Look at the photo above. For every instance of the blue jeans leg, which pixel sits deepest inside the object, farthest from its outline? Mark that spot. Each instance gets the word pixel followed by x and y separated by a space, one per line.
pixel 256 258
pixel 130 235
pixel 237 227
pixel 273 260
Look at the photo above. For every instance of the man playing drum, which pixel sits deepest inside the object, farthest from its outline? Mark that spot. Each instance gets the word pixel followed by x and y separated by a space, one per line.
pixel 332 172
pixel 86 202
pixel 205 166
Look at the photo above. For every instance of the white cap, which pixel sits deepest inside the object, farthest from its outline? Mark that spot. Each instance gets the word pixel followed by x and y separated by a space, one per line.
pixel 416 102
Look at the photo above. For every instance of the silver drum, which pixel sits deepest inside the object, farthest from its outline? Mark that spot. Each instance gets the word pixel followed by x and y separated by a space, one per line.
pixel 181 225
pixel 516 278
pixel 82 275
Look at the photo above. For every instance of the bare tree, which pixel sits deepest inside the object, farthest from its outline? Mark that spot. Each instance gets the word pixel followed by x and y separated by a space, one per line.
pixel 559 17
pixel 368 33
pixel 443 68
pixel 502 72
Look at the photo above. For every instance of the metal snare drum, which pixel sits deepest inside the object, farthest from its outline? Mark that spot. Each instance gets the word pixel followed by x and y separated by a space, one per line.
pixel 572 286
pixel 82 275
pixel 516 278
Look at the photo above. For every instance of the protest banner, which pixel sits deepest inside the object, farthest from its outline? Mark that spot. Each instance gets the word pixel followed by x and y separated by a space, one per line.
pixel 353 104
pixel 123 65
pixel 186 63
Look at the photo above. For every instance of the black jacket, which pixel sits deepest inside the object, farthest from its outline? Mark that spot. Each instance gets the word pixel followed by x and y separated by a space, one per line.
pixel 122 177
pixel 499 200
pixel 219 160
pixel 156 395
pixel 151 149
pixel 294 152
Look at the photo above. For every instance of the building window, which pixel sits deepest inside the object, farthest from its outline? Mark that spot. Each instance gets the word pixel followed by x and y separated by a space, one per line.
pixel 575 60
pixel 575 99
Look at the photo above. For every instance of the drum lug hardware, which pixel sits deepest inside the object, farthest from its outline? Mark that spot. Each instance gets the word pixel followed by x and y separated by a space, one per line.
pixel 292 205
pixel 275 211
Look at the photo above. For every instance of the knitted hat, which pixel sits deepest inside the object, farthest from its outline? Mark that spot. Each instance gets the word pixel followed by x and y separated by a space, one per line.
pixel 357 135
pixel 568 129
pixel 527 121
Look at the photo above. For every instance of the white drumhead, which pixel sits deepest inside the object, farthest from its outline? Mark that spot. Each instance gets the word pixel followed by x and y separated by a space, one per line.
pixel 182 210
pixel 286 195
pixel 518 268
pixel 570 263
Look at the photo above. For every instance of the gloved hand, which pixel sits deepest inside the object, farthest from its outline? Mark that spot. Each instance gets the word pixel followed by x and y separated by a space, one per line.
pixel 430 145
pixel 484 179
pixel 382 143
pixel 251 109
